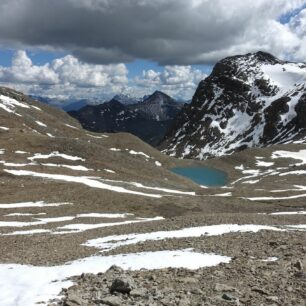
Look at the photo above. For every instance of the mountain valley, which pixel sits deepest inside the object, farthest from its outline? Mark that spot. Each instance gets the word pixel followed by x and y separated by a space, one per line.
pixel 74 202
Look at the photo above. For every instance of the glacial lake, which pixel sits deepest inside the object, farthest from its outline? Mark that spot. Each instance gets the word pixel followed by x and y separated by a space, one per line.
pixel 203 176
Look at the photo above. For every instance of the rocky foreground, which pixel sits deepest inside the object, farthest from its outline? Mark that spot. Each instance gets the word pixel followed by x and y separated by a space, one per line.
pixel 252 277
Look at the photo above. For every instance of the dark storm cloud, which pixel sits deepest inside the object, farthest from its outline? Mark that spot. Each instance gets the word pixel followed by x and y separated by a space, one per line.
pixel 166 31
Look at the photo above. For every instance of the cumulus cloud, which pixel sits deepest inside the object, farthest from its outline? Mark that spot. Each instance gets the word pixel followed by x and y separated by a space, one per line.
pixel 298 24
pixel 67 77
pixel 63 76
pixel 170 32
pixel 177 81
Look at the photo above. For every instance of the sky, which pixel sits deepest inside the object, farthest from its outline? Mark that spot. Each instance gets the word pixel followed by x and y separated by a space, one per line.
pixel 98 48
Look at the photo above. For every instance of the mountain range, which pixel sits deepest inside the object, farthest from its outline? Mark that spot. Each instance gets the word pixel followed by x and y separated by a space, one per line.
pixel 148 119
pixel 252 100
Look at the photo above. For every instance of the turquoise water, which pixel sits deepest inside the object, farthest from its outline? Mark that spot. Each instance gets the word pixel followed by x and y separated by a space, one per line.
pixel 203 176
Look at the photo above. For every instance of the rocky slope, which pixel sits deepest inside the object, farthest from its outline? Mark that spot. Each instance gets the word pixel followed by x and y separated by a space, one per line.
pixel 74 203
pixel 148 119
pixel 251 100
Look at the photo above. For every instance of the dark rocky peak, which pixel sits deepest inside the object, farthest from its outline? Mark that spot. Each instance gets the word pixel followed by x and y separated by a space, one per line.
pixel 158 97
pixel 248 101
pixel 113 103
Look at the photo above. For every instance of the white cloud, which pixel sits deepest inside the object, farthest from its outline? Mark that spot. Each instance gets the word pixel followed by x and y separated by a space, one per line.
pixel 298 25
pixel 66 76
pixel 23 71
pixel 176 81
pixel 70 78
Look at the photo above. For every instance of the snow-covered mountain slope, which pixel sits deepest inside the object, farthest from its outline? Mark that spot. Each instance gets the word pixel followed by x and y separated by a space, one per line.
pixel 148 119
pixel 252 100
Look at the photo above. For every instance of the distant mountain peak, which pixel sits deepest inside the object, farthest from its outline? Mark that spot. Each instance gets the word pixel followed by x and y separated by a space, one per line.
pixel 159 97
pixel 148 119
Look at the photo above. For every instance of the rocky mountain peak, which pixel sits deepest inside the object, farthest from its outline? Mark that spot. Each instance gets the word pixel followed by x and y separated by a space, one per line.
pixel 248 101
pixel 147 119
pixel 160 98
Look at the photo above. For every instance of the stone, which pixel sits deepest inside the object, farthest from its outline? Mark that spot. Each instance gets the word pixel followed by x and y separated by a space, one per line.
pixel 112 301
pixel 298 265
pixel 124 285
pixel 197 291
pixel 227 297
pixel 289 289
pixel 74 299
pixel 260 290
pixel 190 280
pixel 114 269
pixel 224 287
pixel 301 275
pixel 138 292
pixel 272 298
pixel 184 302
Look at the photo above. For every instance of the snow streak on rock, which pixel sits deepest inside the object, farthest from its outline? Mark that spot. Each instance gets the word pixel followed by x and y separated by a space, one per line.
pixel 248 101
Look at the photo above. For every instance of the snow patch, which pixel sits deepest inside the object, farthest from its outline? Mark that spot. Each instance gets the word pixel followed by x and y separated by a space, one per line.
pixel 71 126
pixel 76 168
pixel 300 155
pixel 27 285
pixel 104 215
pixel 81 180
pixel 32 204
pixel 41 124
pixel 112 242
pixel 55 154
pixel 139 153
pixel 260 163
pixel 10 104
pixel 280 213
pixel 81 227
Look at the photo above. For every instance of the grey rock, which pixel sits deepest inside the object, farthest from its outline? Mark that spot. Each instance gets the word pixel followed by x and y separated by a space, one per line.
pixel 259 290
pixel 298 265
pixel 184 302
pixel 227 297
pixel 301 275
pixel 112 301
pixel 224 287
pixel 138 292
pixel 114 269
pixel 124 284
pixel 272 298
pixel 74 299
pixel 190 280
